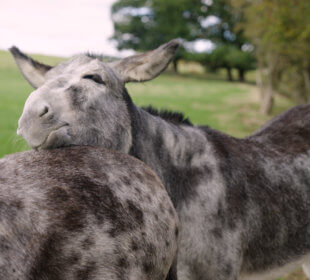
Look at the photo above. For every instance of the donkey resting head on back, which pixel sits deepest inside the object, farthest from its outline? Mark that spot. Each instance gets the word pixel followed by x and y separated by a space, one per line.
pixel 83 213
pixel 90 87
pixel 243 204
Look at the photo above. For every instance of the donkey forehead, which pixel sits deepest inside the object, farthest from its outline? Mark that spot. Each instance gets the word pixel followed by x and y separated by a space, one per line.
pixel 81 65
pixel 69 73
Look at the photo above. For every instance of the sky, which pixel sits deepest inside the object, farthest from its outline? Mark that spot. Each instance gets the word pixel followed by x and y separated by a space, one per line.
pixel 60 27
pixel 57 27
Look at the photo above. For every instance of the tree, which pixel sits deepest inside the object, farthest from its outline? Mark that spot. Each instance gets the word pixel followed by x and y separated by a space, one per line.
pixel 219 58
pixel 243 61
pixel 280 31
pixel 227 57
pixel 224 31
pixel 144 24
pixel 230 40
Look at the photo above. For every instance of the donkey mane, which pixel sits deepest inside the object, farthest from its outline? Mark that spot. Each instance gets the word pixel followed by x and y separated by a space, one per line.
pixel 174 117
pixel 100 56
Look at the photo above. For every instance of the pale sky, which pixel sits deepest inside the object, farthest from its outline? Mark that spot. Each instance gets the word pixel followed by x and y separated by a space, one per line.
pixel 60 27
pixel 57 27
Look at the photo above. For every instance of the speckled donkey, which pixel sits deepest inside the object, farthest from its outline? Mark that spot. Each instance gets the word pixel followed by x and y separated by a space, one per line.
pixel 243 204
pixel 84 213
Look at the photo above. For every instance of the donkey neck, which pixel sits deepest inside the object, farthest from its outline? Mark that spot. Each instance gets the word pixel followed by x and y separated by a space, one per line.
pixel 175 152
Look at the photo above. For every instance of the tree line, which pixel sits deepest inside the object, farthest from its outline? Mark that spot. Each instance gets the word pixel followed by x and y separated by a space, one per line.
pixel 272 36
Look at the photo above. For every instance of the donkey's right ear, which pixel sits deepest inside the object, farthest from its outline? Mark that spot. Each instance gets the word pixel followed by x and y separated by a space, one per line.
pixel 33 71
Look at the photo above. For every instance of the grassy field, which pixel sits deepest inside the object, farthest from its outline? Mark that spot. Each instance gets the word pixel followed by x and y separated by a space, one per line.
pixel 205 99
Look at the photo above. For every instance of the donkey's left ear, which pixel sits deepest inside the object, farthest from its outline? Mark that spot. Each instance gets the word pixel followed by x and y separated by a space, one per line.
pixel 146 66
pixel 33 71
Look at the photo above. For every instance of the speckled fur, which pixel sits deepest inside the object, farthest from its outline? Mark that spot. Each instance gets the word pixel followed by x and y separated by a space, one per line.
pixel 243 204
pixel 83 213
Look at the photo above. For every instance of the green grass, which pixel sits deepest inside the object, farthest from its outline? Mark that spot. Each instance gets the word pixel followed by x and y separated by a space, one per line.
pixel 205 99
pixel 13 93
pixel 230 107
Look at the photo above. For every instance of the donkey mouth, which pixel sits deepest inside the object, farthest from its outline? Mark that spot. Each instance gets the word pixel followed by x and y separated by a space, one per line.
pixel 55 138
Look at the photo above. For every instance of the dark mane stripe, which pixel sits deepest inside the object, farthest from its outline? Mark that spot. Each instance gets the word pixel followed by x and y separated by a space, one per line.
pixel 102 57
pixel 173 117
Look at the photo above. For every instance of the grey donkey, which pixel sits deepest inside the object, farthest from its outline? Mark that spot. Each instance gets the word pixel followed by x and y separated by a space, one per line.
pixel 84 213
pixel 243 204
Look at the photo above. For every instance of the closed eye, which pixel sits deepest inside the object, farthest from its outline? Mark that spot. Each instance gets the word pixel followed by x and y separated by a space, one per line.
pixel 94 77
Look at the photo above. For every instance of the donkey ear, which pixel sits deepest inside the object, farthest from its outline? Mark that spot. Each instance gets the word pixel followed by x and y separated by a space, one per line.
pixel 32 70
pixel 148 65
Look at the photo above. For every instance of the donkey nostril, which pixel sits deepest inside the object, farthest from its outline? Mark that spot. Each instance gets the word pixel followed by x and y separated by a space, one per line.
pixel 44 111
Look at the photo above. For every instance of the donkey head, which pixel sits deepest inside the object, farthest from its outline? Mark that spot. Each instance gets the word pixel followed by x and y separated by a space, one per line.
pixel 83 101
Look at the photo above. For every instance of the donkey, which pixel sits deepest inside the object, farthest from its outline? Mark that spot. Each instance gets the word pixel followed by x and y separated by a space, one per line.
pixel 84 213
pixel 243 204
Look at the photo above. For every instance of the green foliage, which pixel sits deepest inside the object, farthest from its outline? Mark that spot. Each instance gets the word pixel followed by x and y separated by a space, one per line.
pixel 229 57
pixel 225 56
pixel 281 25
pixel 145 24
pixel 242 60
pixel 220 57
pixel 224 32
pixel 280 30
pixel 201 58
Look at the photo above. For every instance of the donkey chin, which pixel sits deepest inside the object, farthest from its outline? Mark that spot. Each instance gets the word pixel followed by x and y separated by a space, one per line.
pixel 57 137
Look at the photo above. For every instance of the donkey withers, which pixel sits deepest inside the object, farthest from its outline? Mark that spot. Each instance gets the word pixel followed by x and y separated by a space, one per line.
pixel 83 213
pixel 243 204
